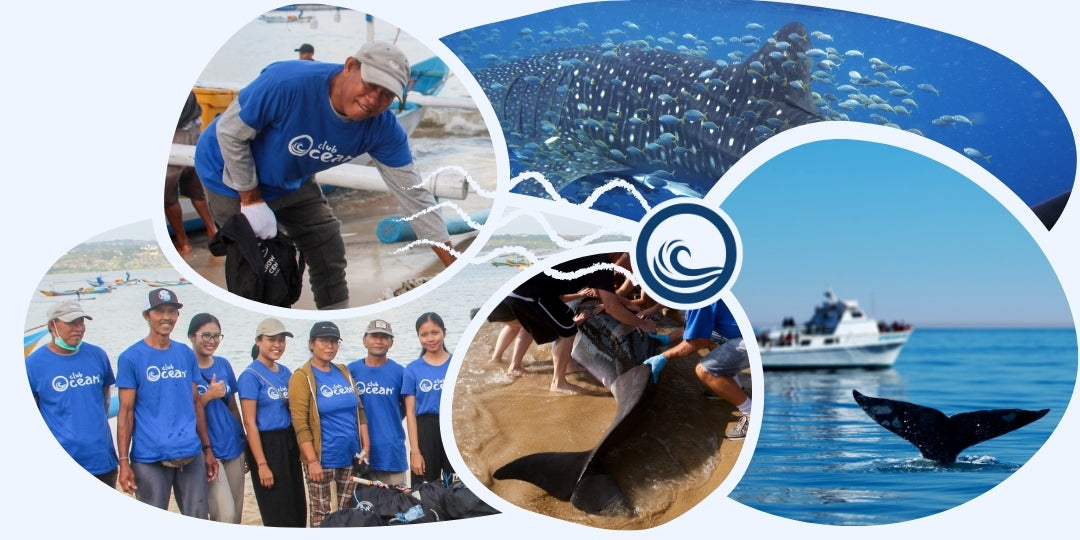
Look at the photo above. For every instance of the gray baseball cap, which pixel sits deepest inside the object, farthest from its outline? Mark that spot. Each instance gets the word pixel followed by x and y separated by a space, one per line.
pixel 67 311
pixel 379 326
pixel 384 64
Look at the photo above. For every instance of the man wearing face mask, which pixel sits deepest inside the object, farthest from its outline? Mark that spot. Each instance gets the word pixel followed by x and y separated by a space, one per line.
pixel 71 381
pixel 296 119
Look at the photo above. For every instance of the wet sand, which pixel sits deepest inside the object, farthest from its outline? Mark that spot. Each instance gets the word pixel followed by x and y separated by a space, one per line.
pixel 676 458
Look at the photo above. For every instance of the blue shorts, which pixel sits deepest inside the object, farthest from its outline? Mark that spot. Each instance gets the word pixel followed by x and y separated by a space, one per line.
pixel 727 359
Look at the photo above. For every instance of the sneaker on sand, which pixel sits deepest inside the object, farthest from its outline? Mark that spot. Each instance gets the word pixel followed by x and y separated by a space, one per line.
pixel 739 431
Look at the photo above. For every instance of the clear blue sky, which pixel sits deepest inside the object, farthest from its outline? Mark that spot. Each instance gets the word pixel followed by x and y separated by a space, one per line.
pixel 904 235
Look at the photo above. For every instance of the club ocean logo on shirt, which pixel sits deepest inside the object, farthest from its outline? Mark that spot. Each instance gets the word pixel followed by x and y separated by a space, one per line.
pixel 428 385
pixel 275 393
pixel 335 390
pixel 168 371
pixel 374 389
pixel 62 383
pixel 325 152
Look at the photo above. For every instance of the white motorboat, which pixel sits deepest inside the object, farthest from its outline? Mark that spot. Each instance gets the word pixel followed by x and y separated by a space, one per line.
pixel 839 334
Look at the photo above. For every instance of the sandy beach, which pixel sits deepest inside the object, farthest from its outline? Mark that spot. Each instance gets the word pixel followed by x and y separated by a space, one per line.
pixel 676 457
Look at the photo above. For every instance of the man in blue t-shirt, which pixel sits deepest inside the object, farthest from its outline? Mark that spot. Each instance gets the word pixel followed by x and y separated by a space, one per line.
pixel 298 118
pixel 161 427
pixel 71 381
pixel 378 382
pixel 713 327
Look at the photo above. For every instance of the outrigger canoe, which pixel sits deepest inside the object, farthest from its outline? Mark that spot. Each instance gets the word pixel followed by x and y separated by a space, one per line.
pixel 181 281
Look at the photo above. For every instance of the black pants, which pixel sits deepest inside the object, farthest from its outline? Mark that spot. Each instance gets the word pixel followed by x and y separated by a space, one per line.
pixel 429 436
pixel 285 504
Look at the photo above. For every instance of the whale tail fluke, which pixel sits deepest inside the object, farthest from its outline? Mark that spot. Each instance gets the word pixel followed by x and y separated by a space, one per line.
pixel 939 437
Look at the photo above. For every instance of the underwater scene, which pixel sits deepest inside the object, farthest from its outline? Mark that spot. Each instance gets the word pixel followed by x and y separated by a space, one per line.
pixel 621 105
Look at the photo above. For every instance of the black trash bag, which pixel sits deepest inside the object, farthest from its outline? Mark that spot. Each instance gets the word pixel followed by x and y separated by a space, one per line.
pixel 455 501
pixel 352 517
pixel 268 271
pixel 384 502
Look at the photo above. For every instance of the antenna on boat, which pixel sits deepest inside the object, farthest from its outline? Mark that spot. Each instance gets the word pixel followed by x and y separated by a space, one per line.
pixel 829 294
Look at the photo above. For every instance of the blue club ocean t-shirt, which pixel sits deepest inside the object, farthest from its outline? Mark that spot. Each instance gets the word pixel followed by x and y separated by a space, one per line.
pixel 226 433
pixel 299 133
pixel 337 403
pixel 701 323
pixel 271 394
pixel 425 381
pixel 380 392
pixel 69 390
pixel 164 404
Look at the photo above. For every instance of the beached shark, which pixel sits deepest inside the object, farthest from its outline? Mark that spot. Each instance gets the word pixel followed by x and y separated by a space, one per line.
pixel 672 122
pixel 582 477
pixel 939 437
pixel 607 348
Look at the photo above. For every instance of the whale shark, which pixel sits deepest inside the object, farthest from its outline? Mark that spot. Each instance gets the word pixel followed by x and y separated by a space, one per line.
pixel 939 437
pixel 671 122
pixel 582 477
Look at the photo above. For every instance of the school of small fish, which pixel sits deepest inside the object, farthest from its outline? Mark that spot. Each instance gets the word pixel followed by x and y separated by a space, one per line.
pixel 845 84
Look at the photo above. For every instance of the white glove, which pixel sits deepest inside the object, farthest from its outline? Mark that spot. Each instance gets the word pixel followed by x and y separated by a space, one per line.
pixel 261 218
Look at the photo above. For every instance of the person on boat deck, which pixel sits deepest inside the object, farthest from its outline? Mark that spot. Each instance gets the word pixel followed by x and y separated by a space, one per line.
pixel 71 381
pixel 161 429
pixel 714 328
pixel 378 381
pixel 538 307
pixel 298 118
pixel 331 427
pixel 180 180
pixel 307 52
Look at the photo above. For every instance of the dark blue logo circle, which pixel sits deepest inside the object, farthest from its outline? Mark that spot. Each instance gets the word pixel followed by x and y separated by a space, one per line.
pixel 686 253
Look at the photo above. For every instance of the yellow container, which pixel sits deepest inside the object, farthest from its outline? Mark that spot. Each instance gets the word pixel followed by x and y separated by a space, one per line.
pixel 213 101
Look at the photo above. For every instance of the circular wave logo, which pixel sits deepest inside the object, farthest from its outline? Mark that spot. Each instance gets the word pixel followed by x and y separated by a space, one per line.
pixel 300 145
pixel 60 383
pixel 272 393
pixel 686 253
pixel 153 373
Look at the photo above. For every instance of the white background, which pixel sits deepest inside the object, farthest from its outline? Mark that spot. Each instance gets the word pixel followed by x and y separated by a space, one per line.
pixel 91 94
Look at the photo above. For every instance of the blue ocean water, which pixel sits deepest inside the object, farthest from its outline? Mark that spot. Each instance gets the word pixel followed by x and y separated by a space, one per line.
pixel 963 95
pixel 117 319
pixel 821 459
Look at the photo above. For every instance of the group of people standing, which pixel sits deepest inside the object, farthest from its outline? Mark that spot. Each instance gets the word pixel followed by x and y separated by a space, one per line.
pixel 188 425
